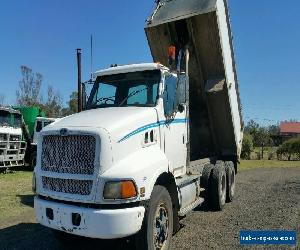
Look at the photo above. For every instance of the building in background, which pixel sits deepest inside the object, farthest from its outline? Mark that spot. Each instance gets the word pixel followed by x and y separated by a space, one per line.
pixel 289 130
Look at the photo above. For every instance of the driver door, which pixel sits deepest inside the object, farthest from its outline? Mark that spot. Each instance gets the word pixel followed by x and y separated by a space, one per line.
pixel 174 127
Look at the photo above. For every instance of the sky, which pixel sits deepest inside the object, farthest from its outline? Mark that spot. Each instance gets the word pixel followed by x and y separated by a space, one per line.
pixel 44 35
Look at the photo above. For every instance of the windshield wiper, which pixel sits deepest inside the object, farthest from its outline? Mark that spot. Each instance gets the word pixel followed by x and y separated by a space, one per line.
pixel 132 94
pixel 105 99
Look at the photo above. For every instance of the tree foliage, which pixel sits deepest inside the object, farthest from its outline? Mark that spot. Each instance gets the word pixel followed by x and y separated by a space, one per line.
pixel 247 147
pixel 53 104
pixel 289 149
pixel 261 135
pixel 29 87
pixel 29 93
pixel 73 107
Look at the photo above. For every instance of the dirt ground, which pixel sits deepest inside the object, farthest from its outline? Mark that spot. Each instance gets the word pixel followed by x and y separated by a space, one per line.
pixel 265 199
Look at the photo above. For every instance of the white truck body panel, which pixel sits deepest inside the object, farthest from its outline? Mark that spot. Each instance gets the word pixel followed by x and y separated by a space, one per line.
pixel 96 223
pixel 230 73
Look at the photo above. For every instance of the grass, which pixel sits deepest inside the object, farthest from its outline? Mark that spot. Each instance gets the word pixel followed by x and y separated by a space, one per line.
pixel 15 195
pixel 251 164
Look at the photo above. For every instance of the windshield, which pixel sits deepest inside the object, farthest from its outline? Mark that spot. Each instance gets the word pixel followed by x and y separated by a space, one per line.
pixel 10 119
pixel 127 89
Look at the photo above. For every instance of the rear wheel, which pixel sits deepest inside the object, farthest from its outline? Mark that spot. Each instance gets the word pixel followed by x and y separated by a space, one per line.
pixel 230 175
pixel 205 175
pixel 217 187
pixel 157 229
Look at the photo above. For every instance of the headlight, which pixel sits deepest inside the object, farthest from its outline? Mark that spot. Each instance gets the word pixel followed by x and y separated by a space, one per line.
pixel 33 183
pixel 117 190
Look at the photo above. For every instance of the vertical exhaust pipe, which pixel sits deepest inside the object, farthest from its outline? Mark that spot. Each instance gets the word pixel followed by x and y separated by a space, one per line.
pixel 79 80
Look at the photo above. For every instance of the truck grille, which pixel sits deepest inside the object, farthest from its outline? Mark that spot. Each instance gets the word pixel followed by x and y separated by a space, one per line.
pixel 80 187
pixel 73 154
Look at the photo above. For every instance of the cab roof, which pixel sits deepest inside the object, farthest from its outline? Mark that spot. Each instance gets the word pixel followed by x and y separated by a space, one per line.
pixel 9 110
pixel 130 68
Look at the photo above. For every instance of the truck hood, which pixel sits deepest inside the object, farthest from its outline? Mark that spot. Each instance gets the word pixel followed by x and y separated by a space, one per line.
pixel 115 119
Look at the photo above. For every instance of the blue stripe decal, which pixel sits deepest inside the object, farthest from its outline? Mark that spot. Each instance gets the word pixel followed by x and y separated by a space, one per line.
pixel 152 125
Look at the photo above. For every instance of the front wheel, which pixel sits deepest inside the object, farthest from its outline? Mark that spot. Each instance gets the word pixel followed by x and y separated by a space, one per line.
pixel 157 229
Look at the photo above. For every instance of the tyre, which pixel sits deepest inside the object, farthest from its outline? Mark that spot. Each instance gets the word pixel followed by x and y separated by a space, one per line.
pixel 217 187
pixel 230 175
pixel 157 229
pixel 206 175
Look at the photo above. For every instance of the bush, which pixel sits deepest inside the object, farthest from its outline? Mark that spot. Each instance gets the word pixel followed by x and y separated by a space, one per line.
pixel 271 155
pixel 289 149
pixel 247 147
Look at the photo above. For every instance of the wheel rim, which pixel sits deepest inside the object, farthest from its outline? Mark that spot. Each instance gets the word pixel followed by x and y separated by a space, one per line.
pixel 223 190
pixel 161 227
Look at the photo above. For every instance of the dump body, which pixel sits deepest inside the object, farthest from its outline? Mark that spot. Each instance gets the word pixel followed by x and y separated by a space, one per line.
pixel 203 27
pixel 30 115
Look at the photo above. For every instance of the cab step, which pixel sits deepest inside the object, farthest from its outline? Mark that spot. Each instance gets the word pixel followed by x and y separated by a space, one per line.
pixel 191 206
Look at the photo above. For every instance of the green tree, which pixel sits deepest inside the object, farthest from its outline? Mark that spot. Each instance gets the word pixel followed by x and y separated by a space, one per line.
pixel 262 139
pixel 73 102
pixel 273 130
pixel 289 149
pixel 53 104
pixel 251 128
pixel 247 146
pixel 28 93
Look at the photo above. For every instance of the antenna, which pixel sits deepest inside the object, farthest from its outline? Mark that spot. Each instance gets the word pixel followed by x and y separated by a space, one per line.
pixel 91 56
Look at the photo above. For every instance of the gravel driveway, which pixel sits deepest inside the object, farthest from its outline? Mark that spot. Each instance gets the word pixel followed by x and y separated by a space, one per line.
pixel 265 199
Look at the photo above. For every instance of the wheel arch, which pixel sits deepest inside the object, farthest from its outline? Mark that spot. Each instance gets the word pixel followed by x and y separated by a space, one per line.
pixel 167 180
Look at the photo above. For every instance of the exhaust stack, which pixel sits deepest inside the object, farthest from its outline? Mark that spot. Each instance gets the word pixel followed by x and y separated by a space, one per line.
pixel 79 80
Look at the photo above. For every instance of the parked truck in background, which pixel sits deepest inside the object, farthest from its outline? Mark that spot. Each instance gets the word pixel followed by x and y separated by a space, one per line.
pixel 12 143
pixel 34 121
pixel 153 142
pixel 40 123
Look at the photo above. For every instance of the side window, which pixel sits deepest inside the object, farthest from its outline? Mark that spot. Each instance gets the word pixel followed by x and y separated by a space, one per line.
pixel 46 123
pixel 140 98
pixel 154 92
pixel 170 102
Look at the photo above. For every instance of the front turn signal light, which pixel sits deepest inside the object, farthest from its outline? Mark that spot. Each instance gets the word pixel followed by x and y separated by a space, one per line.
pixel 119 190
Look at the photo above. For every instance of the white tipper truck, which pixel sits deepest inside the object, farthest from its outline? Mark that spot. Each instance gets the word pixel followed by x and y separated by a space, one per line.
pixel 152 143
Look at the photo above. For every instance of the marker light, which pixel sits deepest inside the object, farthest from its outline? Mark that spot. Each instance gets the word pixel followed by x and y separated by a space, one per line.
pixel 172 52
pixel 119 190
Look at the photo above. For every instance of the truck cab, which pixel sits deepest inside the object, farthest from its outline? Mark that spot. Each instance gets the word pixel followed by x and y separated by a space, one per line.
pixel 113 153
pixel 12 146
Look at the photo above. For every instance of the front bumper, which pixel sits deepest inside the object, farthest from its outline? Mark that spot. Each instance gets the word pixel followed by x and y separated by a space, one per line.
pixel 94 223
